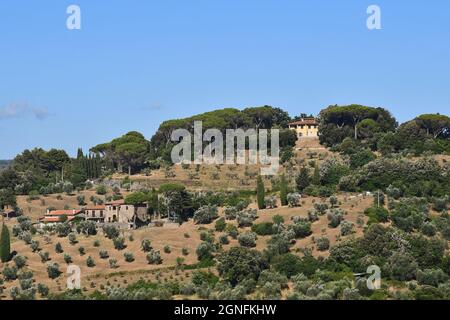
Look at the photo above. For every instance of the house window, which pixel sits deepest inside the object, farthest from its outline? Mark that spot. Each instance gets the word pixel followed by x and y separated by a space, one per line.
pixel 101 213
pixel 126 208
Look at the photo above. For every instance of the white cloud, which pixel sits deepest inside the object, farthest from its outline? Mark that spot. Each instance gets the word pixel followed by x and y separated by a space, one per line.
pixel 18 109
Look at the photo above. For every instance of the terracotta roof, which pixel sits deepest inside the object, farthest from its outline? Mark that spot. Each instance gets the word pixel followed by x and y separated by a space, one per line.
pixel 97 207
pixel 63 212
pixel 55 219
pixel 117 202
pixel 306 121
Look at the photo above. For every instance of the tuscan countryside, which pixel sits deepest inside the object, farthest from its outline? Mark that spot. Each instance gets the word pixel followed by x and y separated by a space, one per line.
pixel 198 153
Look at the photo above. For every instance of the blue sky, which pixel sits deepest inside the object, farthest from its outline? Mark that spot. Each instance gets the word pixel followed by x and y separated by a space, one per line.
pixel 136 63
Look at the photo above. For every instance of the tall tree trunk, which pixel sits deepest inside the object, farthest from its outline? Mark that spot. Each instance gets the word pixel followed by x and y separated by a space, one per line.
pixel 129 170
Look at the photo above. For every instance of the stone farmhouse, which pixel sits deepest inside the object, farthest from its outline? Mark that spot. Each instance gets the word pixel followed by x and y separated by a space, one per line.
pixel 305 128
pixel 115 212
pixel 58 216
pixel 125 215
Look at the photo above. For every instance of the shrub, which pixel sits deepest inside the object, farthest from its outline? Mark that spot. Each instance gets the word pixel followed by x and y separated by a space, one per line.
pixel 53 271
pixel 334 218
pixel 35 246
pixel 277 219
pixel 113 263
pixel 321 208
pixel 90 262
pixel 204 251
pixel 206 214
pixel 247 239
pixel 10 273
pixel 440 204
pixel 63 229
pixel 45 256
pixel 167 249
pixel 20 261
pixel 223 239
pixel 43 290
pixel 263 229
pixel 67 258
pixel 232 231
pixel 220 225
pixel 119 243
pixel 154 257
pixel 431 277
pixel 294 199
pixel 111 232
pixel 312 216
pixel 323 244
pixel 59 248
pixel 81 200
pixel 301 229
pixel 72 238
pixel 96 243
pixel 101 190
pixel 377 215
pixel 245 218
pixel 333 201
pixel 129 257
pixel 402 266
pixel 184 251
pixel 346 228
pixel 82 251
pixel 146 245
pixel 240 263
pixel 270 202
pixel 230 213
pixel 88 228
pixel 103 254
pixel 428 229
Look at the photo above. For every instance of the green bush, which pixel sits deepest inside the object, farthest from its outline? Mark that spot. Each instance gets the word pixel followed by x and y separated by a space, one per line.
pixel 263 229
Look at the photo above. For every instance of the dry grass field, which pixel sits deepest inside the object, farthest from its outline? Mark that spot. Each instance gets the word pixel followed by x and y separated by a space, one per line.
pixel 176 237
pixel 186 236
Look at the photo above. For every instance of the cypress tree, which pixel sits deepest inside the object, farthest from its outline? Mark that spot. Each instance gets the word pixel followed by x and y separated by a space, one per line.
pixel 260 193
pixel 5 246
pixel 303 179
pixel 283 190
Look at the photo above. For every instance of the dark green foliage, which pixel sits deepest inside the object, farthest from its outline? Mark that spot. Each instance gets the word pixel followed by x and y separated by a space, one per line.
pixel 263 229
pixel 206 215
pixel 240 263
pixel 409 214
pixel 377 215
pixel 111 232
pixel 119 243
pixel 303 180
pixel 291 265
pixel 201 277
pixel 220 224
pixel 301 229
pixel 260 193
pixel 283 190
pixel 353 121
pixel 5 245
pixel 205 251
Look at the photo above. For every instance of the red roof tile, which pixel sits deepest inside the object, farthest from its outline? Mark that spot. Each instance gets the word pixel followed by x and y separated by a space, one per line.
pixel 63 212
pixel 117 202
pixel 306 121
